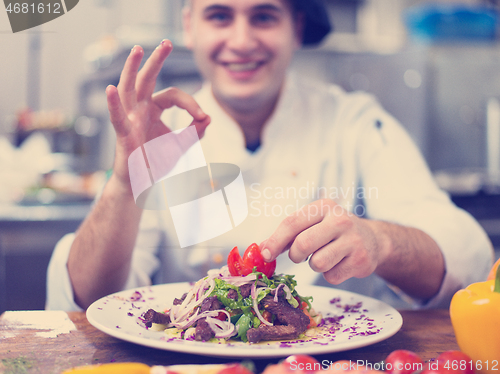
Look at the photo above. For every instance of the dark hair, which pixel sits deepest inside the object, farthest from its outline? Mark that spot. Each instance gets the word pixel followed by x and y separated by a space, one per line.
pixel 316 22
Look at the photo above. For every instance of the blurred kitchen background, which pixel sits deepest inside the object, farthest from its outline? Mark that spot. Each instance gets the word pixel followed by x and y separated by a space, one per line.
pixel 434 65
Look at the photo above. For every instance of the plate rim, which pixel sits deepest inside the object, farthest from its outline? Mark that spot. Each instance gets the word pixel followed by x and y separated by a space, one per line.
pixel 213 350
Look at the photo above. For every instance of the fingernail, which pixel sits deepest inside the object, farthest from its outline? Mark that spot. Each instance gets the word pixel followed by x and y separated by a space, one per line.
pixel 266 253
pixel 137 49
pixel 163 42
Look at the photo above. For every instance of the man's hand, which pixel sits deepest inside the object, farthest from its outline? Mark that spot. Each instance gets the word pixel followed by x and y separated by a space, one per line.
pixel 341 245
pixel 338 244
pixel 135 110
pixel 100 258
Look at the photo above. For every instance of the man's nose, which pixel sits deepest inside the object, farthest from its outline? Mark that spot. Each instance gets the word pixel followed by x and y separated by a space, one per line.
pixel 243 37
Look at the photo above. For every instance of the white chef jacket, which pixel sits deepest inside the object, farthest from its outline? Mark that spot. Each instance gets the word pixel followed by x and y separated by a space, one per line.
pixel 320 142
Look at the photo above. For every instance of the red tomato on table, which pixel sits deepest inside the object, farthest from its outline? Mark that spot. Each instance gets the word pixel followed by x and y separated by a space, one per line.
pixel 252 257
pixel 450 362
pixel 402 361
pixel 235 369
pixel 302 364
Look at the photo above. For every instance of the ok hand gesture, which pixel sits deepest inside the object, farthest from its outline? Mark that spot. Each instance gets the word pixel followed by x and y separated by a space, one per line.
pixel 135 110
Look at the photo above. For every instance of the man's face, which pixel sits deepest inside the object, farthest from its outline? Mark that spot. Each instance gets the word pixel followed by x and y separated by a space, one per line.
pixel 242 46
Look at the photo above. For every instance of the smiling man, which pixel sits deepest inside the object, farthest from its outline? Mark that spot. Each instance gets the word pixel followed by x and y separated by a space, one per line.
pixel 295 141
pixel 244 49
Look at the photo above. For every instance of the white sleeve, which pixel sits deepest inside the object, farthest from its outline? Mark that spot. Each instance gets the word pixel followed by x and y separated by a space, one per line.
pixel 59 290
pixel 405 192
pixel 144 264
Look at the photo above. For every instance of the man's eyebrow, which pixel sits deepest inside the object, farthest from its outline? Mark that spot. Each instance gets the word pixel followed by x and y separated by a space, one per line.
pixel 216 7
pixel 225 8
pixel 268 7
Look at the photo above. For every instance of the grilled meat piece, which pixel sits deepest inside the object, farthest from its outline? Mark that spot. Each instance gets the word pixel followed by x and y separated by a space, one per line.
pixel 232 294
pixel 152 316
pixel 286 314
pixel 278 332
pixel 288 324
pixel 179 301
pixel 211 303
pixel 203 331
pixel 245 290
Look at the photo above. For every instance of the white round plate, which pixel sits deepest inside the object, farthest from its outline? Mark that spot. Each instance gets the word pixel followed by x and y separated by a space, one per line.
pixel 352 321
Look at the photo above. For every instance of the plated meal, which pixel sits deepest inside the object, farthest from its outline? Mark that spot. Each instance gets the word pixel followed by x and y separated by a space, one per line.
pixel 244 300
pixel 247 308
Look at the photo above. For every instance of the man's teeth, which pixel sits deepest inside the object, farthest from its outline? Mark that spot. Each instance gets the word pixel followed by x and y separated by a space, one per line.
pixel 243 66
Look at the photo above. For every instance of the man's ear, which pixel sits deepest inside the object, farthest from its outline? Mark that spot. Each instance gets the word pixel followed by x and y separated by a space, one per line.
pixel 186 24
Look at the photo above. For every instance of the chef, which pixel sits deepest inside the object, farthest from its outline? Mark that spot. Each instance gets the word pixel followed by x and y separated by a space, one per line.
pixel 337 191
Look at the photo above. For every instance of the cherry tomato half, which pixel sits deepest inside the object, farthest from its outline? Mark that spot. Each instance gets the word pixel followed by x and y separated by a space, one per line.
pixel 402 361
pixel 251 258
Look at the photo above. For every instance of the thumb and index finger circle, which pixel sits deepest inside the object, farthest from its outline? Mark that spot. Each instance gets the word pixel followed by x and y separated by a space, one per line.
pixel 174 96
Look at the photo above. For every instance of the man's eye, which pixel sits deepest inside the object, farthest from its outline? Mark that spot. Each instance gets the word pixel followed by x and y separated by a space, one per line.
pixel 219 17
pixel 264 19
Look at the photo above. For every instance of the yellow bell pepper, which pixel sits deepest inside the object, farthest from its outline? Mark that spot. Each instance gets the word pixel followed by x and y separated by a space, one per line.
pixel 493 270
pixel 112 368
pixel 138 368
pixel 475 316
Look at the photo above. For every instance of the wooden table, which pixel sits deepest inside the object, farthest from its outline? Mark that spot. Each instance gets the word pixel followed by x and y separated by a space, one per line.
pixel 49 342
